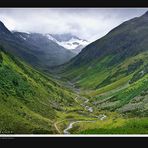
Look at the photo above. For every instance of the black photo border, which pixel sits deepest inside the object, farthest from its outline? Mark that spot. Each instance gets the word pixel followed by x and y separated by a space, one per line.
pixel 68 142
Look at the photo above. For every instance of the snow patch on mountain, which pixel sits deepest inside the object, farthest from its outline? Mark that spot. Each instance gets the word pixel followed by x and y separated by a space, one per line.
pixel 72 43
pixel 68 41
pixel 22 37
pixel 50 37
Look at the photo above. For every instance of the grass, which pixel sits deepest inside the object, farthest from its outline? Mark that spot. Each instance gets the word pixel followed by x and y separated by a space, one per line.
pixel 32 102
pixel 29 99
pixel 124 126
pixel 121 82
pixel 98 73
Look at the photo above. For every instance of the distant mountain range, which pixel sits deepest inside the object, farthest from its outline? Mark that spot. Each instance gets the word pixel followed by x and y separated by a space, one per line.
pixel 51 53
pixel 69 41
pixel 105 85
pixel 34 48
pixel 114 66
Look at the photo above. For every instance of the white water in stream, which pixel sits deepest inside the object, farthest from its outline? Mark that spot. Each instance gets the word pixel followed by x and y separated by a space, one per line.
pixel 66 131
pixel 90 109
pixel 71 126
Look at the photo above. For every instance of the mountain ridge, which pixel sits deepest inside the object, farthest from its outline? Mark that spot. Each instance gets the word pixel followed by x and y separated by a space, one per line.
pixel 105 84
pixel 109 44
pixel 31 51
pixel 30 100
pixel 112 61
pixel 69 41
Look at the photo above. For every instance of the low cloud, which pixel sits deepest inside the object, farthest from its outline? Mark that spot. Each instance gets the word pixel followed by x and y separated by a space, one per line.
pixel 87 23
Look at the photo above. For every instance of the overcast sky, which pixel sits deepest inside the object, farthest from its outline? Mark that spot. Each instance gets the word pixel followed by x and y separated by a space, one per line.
pixel 87 23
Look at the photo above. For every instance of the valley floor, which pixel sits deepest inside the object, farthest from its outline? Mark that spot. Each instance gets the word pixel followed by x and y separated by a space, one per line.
pixel 87 118
pixel 32 102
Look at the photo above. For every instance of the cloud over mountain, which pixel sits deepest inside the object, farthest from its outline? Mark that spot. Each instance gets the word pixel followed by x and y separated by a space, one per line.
pixel 88 23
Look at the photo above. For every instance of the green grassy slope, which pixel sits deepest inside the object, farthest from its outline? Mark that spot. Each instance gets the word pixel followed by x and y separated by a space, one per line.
pixel 133 98
pixel 119 126
pixel 113 73
pixel 101 77
pixel 118 54
pixel 29 100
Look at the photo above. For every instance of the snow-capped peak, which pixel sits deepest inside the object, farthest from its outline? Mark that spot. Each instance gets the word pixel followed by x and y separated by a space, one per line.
pixel 69 42
pixel 73 43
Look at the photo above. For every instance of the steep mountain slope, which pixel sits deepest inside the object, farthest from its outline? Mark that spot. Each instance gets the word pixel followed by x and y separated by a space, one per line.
pixel 17 47
pixel 35 49
pixel 128 39
pixel 101 61
pixel 114 69
pixel 29 101
pixel 78 49
pixel 51 54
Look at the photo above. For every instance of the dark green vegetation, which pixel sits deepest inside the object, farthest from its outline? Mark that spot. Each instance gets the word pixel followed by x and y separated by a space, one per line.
pixel 48 52
pixel 93 66
pixel 131 126
pixel 113 73
pixel 34 48
pixel 114 69
pixel 109 78
pixel 29 100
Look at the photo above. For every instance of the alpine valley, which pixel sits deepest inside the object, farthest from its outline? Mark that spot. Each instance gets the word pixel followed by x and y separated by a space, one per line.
pixel 62 84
